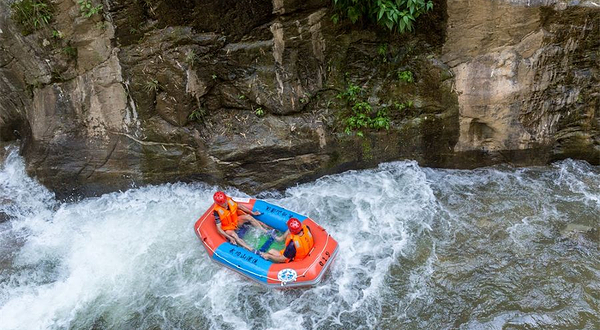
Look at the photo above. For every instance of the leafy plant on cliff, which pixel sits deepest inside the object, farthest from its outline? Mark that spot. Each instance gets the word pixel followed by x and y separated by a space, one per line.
pixel 396 15
pixel 191 58
pixel 56 34
pixel 406 76
pixel 361 115
pixel 259 112
pixel 403 106
pixel 152 86
pixel 197 115
pixel 87 9
pixel 32 14
pixel 70 51
pixel 382 50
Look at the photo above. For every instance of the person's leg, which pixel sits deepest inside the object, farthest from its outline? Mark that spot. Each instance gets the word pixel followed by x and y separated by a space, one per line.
pixel 273 255
pixel 238 240
pixel 246 217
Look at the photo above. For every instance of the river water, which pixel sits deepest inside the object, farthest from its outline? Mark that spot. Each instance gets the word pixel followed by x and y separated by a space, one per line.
pixel 420 248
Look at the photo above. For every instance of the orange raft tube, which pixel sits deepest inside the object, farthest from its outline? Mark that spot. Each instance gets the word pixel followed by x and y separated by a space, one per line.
pixel 305 272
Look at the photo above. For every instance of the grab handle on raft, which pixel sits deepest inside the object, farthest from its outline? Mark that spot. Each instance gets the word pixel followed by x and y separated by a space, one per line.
pixel 267 244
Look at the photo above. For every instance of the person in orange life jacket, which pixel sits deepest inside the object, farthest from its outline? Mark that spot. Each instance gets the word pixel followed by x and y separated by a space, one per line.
pixel 229 216
pixel 298 243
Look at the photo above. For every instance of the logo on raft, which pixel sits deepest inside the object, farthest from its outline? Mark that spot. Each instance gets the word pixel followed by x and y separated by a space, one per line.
pixel 287 275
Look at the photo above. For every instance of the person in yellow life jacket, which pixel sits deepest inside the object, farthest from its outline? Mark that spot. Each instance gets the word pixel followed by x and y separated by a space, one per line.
pixel 298 243
pixel 229 216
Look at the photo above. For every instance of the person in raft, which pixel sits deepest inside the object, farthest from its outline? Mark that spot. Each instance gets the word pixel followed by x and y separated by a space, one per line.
pixel 229 216
pixel 298 243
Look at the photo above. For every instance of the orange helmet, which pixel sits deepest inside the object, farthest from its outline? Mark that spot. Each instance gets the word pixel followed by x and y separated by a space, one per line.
pixel 294 226
pixel 220 197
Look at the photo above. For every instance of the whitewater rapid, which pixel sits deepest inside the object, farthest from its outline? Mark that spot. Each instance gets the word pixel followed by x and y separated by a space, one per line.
pixel 419 248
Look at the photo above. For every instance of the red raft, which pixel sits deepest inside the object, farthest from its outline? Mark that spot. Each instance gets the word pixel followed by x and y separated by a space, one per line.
pixel 306 272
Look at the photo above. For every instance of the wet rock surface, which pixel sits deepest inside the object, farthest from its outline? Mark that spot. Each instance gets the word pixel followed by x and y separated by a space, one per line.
pixel 244 93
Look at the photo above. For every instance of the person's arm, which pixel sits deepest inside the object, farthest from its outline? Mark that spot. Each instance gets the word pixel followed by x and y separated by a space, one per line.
pixel 224 234
pixel 221 231
pixel 283 236
pixel 247 210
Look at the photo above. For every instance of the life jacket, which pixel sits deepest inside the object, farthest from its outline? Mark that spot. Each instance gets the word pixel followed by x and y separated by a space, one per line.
pixel 229 218
pixel 303 244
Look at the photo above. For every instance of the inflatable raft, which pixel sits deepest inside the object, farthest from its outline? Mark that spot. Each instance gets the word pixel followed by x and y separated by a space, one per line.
pixel 305 272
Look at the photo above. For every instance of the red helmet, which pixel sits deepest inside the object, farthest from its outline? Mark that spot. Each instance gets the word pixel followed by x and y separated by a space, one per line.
pixel 220 197
pixel 294 226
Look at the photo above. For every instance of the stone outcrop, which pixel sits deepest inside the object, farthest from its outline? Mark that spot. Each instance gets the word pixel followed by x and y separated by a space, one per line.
pixel 244 92
pixel 527 78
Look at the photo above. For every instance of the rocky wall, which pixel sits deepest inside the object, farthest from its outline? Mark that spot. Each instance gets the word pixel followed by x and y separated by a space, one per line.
pixel 246 92
pixel 527 77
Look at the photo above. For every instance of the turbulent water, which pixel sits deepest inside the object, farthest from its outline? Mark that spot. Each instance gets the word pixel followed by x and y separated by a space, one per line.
pixel 496 248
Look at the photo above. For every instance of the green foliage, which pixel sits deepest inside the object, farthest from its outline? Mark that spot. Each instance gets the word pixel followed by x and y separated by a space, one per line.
pixel 403 106
pixel 241 97
pixel 362 115
pixel 213 76
pixel 57 34
pixel 306 98
pixel 191 58
pixel 32 14
pixel 351 93
pixel 197 115
pixel 382 50
pixel 396 15
pixel 381 120
pixel 101 25
pixel 259 112
pixel 152 85
pixel 87 9
pixel 70 51
pixel 406 76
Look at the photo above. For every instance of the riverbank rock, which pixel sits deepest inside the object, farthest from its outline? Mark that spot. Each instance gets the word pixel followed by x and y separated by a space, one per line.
pixel 250 93
pixel 527 79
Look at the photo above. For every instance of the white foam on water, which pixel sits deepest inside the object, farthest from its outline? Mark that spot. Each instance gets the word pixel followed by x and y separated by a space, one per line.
pixel 131 259
pixel 582 180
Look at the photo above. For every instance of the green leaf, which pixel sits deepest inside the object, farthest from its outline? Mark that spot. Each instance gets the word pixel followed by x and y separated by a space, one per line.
pixel 389 25
pixel 353 14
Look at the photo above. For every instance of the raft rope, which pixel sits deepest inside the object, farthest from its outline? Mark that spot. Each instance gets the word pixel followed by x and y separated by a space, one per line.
pixel 253 273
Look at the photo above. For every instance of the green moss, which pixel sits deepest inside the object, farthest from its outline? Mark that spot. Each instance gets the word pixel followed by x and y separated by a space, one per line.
pixel 367 151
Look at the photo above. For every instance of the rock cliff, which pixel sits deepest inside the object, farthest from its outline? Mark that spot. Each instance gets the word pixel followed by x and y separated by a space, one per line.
pixel 250 92
pixel 527 79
